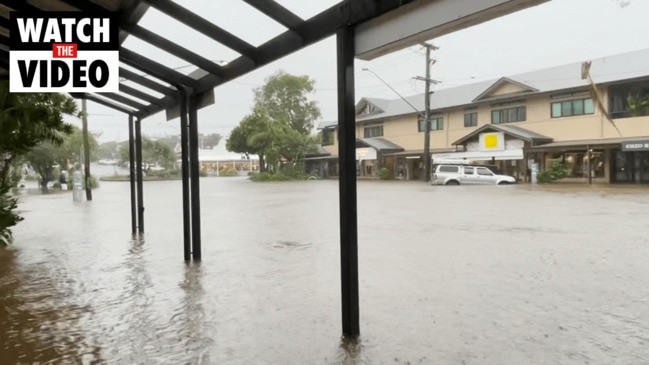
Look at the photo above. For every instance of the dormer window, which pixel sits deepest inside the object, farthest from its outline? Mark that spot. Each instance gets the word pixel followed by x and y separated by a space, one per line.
pixel 368 109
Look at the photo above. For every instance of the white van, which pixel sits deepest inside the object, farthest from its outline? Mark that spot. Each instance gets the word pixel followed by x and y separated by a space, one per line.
pixel 450 174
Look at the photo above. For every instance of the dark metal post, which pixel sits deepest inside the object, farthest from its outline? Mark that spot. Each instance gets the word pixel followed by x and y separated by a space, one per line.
pixel 138 157
pixel 131 162
pixel 347 183
pixel 184 156
pixel 194 168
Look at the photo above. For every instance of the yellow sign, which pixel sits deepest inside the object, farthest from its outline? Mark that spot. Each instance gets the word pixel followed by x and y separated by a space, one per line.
pixel 494 141
pixel 491 141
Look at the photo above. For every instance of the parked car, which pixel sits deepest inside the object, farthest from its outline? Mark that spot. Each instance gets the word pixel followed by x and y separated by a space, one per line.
pixel 450 174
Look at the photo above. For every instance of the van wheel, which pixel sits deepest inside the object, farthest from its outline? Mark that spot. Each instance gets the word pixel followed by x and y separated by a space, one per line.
pixel 503 183
pixel 453 182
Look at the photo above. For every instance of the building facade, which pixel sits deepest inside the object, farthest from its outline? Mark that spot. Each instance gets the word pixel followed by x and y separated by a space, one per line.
pixel 593 118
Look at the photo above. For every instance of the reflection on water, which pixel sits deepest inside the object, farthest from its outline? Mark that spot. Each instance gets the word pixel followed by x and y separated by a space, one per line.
pixel 474 275
pixel 39 320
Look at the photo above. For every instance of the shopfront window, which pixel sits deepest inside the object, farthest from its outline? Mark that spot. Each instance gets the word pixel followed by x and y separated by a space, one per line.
pixel 631 167
pixel 577 163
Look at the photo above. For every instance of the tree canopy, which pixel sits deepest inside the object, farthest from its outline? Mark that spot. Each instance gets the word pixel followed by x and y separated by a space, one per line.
pixel 154 152
pixel 210 140
pixel 107 150
pixel 278 129
pixel 45 156
pixel 26 119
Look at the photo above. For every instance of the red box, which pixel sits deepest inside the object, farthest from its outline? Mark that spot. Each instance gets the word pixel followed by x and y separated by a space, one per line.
pixel 64 50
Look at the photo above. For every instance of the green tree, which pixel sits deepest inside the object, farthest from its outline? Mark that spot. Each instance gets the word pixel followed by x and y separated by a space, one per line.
pixel 556 172
pixel 26 119
pixel 107 150
pixel 8 216
pixel 284 97
pixel 154 152
pixel 49 159
pixel 210 140
pixel 279 126
pixel 71 149
pixel 253 136
pixel 44 159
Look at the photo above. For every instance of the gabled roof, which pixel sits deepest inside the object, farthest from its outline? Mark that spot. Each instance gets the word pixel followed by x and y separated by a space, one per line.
pixel 511 130
pixel 522 88
pixel 607 70
pixel 380 105
pixel 327 123
pixel 378 143
pixel 320 152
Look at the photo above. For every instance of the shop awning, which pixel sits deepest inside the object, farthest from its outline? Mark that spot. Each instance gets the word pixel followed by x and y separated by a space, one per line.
pixel 515 154
pixel 379 144
pixel 418 152
pixel 511 130
pixel 586 143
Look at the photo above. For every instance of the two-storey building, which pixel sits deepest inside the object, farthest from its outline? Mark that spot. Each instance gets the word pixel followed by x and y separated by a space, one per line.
pixel 593 119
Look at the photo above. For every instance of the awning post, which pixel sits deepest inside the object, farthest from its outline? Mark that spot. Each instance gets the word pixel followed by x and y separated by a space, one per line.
pixel 347 183
pixel 184 156
pixel 194 168
pixel 131 165
pixel 140 194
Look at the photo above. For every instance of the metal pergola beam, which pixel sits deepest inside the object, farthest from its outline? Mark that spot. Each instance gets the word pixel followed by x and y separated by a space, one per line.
pixel 277 12
pixel 138 94
pixel 300 34
pixel 204 26
pixel 309 32
pixel 173 48
pixel 103 102
pixel 150 84
pixel 84 5
pixel 124 100
pixel 4 23
pixel 154 68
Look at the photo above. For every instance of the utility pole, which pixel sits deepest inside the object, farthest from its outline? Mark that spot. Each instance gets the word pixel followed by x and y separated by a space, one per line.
pixel 86 149
pixel 428 81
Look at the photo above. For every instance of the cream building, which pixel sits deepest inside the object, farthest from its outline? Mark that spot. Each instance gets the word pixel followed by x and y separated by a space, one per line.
pixel 519 123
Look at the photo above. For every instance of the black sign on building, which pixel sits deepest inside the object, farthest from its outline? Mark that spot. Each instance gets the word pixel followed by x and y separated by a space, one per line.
pixel 640 145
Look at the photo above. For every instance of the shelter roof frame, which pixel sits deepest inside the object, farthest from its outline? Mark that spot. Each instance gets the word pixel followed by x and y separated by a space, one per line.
pixel 299 33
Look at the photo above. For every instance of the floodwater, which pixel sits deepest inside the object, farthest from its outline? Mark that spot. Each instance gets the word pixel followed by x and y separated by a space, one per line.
pixel 448 275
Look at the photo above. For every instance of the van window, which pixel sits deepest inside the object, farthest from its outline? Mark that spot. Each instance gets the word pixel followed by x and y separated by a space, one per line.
pixel 468 170
pixel 484 171
pixel 449 169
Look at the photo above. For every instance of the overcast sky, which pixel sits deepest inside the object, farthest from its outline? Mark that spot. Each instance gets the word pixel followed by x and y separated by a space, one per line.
pixel 553 33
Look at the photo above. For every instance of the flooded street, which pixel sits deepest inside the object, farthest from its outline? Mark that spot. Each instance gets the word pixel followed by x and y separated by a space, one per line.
pixel 448 275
